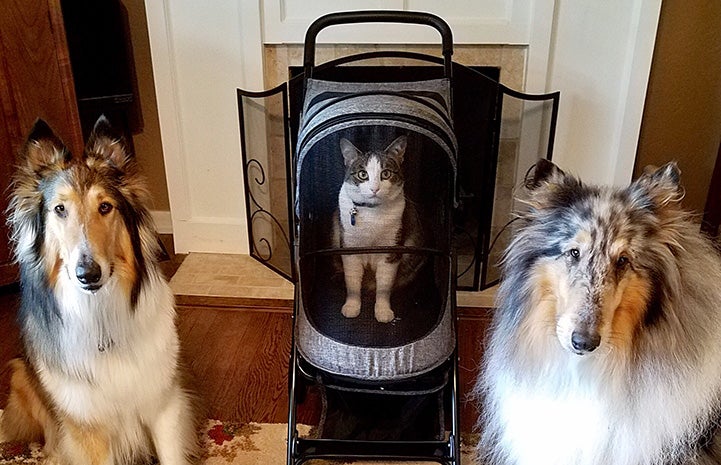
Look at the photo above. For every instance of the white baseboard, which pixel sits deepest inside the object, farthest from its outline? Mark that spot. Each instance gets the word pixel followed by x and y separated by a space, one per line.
pixel 210 235
pixel 163 221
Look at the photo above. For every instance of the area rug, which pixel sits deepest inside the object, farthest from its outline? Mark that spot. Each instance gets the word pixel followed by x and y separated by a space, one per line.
pixel 224 443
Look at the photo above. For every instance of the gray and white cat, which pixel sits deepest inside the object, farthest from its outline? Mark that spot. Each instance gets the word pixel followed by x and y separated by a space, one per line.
pixel 371 212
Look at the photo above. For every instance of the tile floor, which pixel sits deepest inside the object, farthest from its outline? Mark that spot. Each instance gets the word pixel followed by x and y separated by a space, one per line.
pixel 239 280
pixel 229 280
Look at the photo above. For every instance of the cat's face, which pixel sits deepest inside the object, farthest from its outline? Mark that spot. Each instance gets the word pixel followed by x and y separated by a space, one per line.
pixel 374 177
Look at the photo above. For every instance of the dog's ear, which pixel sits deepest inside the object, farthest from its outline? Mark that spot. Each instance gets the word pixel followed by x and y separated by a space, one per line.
pixel 543 173
pixel 547 185
pixel 658 187
pixel 43 149
pixel 106 144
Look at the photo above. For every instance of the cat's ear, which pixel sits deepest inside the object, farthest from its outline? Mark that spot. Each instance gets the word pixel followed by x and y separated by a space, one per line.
pixel 350 152
pixel 397 148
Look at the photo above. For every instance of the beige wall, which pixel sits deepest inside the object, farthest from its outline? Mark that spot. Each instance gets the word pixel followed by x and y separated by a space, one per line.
pixel 148 147
pixel 682 116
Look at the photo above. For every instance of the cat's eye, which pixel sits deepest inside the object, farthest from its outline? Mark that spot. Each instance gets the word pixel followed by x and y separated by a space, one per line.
pixel 105 208
pixel 362 175
pixel 386 174
pixel 60 210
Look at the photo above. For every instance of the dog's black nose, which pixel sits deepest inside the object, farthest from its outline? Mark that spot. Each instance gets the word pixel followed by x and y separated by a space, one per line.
pixel 88 271
pixel 583 341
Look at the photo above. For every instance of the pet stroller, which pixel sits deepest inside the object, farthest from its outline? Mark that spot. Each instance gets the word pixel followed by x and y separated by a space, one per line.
pixel 389 383
pixel 382 381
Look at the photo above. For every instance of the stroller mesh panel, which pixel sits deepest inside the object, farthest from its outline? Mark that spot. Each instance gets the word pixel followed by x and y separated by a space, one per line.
pixel 405 129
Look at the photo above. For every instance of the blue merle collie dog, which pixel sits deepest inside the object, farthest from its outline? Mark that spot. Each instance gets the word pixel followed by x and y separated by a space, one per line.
pixel 606 345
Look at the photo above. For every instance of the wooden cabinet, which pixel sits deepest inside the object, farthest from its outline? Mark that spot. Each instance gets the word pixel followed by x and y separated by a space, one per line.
pixel 35 82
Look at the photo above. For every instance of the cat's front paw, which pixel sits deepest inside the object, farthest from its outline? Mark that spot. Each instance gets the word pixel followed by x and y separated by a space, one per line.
pixel 383 312
pixel 351 308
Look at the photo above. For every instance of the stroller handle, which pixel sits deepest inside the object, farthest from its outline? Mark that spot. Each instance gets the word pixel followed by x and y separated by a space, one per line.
pixel 377 16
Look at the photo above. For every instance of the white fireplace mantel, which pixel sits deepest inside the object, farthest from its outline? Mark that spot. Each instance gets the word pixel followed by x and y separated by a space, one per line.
pixel 598 54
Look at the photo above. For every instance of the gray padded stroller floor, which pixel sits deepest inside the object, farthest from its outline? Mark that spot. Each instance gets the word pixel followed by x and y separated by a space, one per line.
pixel 417 308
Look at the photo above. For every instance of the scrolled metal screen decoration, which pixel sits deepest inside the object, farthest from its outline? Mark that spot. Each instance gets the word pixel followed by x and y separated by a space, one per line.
pixel 269 245
pixel 259 211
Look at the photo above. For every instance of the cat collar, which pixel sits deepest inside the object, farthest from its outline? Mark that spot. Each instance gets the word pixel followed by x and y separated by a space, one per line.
pixel 364 204
pixel 354 211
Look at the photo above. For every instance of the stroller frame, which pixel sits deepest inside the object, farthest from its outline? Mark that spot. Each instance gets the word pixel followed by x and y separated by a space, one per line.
pixel 300 450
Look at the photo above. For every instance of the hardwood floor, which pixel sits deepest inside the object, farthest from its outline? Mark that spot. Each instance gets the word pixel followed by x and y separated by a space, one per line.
pixel 10 346
pixel 239 357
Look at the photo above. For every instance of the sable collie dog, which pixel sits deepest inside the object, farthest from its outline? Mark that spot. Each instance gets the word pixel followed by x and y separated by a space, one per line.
pixel 605 348
pixel 100 382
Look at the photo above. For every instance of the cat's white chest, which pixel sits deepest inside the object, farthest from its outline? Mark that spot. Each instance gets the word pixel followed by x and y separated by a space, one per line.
pixel 369 226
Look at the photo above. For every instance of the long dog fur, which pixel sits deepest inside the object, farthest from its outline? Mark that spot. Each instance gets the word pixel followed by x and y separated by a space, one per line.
pixel 606 344
pixel 101 381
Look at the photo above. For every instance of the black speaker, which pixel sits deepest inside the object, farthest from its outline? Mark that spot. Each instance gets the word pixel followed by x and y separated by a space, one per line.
pixel 101 57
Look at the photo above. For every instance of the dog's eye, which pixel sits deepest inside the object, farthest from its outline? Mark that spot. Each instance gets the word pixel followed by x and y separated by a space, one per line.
pixel 60 210
pixel 105 208
pixel 622 261
pixel 575 253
